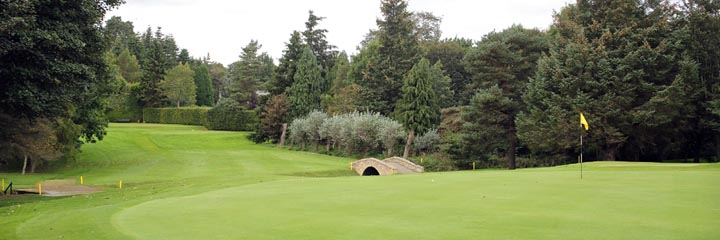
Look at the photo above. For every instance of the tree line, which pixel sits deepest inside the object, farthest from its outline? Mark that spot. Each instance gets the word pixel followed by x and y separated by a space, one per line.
pixel 644 73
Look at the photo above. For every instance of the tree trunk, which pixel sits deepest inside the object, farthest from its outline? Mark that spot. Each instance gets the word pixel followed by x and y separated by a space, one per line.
pixel 511 152
pixel 315 143
pixel 512 146
pixel 348 149
pixel 327 147
pixel 24 164
pixel 177 104
pixel 410 138
pixel 33 164
pixel 282 136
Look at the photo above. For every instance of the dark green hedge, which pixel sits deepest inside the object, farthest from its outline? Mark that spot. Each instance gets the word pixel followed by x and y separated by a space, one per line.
pixel 218 118
pixel 231 119
pixel 183 115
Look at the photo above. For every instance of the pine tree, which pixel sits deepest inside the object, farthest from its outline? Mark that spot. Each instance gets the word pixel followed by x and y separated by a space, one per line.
pixel 304 94
pixel 501 66
pixel 611 60
pixel 285 71
pixel 417 109
pixel 244 79
pixel 153 73
pixel 128 67
pixel 397 52
pixel 203 83
pixel 315 39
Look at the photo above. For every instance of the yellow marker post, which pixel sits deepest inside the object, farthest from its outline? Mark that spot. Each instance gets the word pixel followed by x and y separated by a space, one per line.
pixel 421 160
pixel 2 188
pixel 120 184
pixel 350 165
pixel 473 165
pixel 39 189
pixel 392 170
pixel 81 180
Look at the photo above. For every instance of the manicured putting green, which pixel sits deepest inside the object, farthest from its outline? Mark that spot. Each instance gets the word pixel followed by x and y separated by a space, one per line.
pixel 185 183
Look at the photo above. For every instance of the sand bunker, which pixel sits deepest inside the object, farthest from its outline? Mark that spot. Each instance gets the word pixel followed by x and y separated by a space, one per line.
pixel 61 188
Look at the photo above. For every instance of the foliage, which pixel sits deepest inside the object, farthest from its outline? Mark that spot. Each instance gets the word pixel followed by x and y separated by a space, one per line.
pixel 315 39
pixel 304 94
pixel 244 78
pixel 128 66
pixel 231 117
pixel 285 72
pixel 178 115
pixel 397 51
pixel 389 134
pixel 178 86
pixel 345 100
pixel 621 65
pixel 272 117
pixel 418 109
pixel 450 53
pixel 429 142
pixel 203 84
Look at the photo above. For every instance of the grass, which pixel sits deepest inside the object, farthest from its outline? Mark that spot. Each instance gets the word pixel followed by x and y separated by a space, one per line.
pixel 182 182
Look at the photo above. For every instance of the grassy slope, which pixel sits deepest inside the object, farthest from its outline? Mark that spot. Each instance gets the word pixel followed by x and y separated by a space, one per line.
pixel 182 182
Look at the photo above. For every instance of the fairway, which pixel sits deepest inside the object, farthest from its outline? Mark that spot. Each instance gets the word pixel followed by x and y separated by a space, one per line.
pixel 184 182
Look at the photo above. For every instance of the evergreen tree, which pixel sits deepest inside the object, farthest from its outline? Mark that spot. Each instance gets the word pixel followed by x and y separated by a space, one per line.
pixel 450 53
pixel 501 62
pixel 128 67
pixel 243 75
pixel 153 73
pixel 184 56
pixel 339 73
pixel 315 39
pixel 417 109
pixel 441 85
pixel 120 35
pixel 304 94
pixel 178 86
pixel 218 73
pixel 203 84
pixel 285 72
pixel 397 52
pixel 615 61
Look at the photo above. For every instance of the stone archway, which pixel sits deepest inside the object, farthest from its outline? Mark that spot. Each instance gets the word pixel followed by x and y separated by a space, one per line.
pixel 370 171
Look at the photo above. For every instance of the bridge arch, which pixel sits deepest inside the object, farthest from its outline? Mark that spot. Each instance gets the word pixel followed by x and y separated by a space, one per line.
pixel 370 171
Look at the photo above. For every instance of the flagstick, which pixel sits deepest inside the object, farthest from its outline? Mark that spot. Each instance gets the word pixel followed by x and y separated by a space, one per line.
pixel 581 154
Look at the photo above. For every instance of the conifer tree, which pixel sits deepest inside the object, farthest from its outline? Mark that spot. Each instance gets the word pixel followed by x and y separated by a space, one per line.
pixel 304 94
pixel 203 83
pixel 397 52
pixel 417 109
pixel 285 71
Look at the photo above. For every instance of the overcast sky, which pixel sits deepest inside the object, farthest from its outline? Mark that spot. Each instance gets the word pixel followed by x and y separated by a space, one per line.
pixel 221 27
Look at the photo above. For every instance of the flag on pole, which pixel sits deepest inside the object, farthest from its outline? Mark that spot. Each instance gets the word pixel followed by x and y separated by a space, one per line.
pixel 584 122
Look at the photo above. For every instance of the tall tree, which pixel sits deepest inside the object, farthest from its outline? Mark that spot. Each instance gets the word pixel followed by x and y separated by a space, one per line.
pixel 450 52
pixel 441 85
pixel 120 35
pixel 285 72
pixel 618 62
pixel 315 38
pixel 128 67
pixel 178 86
pixel 427 26
pixel 502 61
pixel 218 73
pixel 55 78
pixel 243 75
pixel 203 84
pixel 153 73
pixel 184 56
pixel 339 73
pixel 397 52
pixel 418 109
pixel 304 94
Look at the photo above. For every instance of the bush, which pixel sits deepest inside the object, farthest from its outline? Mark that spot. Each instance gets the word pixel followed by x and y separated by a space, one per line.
pixel 231 118
pixel 184 115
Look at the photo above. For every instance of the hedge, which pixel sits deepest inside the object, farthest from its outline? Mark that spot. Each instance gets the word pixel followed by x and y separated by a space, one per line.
pixel 218 118
pixel 231 119
pixel 183 115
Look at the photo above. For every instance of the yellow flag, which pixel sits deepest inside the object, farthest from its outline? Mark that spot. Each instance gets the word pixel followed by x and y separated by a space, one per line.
pixel 584 122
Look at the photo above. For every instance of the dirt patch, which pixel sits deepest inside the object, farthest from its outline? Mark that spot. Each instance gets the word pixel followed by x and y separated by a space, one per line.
pixel 61 188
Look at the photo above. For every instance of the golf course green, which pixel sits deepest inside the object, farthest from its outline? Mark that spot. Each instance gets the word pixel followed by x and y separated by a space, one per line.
pixel 184 182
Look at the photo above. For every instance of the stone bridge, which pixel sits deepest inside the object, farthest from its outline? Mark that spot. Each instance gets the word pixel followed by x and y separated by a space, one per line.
pixel 388 166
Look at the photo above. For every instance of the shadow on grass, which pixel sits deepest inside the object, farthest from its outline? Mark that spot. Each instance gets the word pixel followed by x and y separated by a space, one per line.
pixel 18 199
pixel 328 173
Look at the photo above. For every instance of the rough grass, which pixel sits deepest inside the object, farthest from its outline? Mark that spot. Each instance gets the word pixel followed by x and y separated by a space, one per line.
pixel 182 182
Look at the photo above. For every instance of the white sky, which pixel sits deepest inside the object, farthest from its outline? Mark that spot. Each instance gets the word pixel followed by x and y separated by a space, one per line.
pixel 221 27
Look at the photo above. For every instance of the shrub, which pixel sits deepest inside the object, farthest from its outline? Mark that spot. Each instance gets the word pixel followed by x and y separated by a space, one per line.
pixel 428 142
pixel 231 118
pixel 184 115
